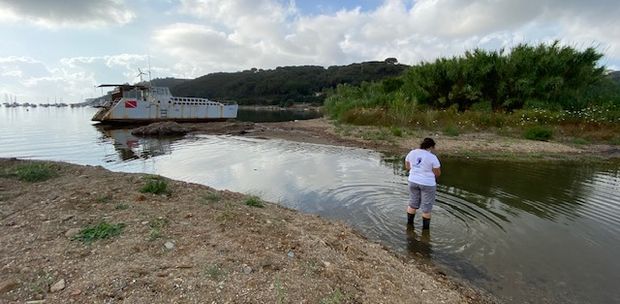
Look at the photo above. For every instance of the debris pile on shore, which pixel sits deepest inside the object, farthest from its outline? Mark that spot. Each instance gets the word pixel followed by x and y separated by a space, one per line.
pixel 165 128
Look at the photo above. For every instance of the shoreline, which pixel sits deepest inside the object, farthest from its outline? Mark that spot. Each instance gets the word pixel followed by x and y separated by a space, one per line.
pixel 193 244
pixel 481 145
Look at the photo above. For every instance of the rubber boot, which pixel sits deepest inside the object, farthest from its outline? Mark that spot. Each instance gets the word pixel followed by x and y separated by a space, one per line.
pixel 426 223
pixel 410 218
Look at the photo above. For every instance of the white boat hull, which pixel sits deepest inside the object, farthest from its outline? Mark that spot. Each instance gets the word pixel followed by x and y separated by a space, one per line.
pixel 164 108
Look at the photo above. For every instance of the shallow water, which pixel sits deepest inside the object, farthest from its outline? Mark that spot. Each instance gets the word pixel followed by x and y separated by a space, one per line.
pixel 526 232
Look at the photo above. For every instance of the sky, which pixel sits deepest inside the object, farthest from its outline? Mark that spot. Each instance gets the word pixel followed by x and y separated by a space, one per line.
pixel 53 50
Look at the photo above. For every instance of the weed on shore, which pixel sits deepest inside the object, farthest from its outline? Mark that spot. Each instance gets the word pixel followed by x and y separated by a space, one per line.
pixel 34 172
pixel 155 185
pixel 156 226
pixel 254 201
pixel 103 230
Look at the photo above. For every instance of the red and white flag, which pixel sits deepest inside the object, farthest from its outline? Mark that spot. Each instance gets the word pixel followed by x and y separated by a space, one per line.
pixel 131 104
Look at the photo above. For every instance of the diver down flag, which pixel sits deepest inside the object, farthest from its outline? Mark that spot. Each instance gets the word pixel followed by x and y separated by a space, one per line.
pixel 132 104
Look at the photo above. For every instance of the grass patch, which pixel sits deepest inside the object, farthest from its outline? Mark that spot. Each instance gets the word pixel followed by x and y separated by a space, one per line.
pixel 451 130
pixel 41 284
pixel 280 292
pixel 335 297
pixel 121 206
pixel 215 272
pixel 100 231
pixel 541 133
pixel 254 201
pixel 226 214
pixel 156 226
pixel 36 172
pixel 396 131
pixel 580 141
pixel 155 185
pixel 103 199
pixel 211 197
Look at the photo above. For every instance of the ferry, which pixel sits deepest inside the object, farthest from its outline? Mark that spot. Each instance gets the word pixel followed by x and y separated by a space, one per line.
pixel 145 104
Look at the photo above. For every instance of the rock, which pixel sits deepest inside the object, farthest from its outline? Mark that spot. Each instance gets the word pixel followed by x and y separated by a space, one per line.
pixel 76 292
pixel 247 269
pixel 169 245
pixel 58 286
pixel 67 217
pixel 291 254
pixel 8 285
pixel 72 232
pixel 161 129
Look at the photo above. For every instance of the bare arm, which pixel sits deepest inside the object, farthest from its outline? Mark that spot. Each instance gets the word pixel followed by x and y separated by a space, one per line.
pixel 407 165
pixel 437 171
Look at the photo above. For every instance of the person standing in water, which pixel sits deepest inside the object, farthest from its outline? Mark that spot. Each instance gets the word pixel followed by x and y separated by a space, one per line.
pixel 423 168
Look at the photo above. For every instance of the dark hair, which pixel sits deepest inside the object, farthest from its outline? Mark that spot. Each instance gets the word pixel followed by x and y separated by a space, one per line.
pixel 427 143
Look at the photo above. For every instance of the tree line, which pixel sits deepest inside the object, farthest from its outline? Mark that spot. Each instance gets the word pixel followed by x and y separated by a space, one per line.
pixel 285 85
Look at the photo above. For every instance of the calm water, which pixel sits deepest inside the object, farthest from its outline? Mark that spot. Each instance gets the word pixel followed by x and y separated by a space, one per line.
pixel 526 232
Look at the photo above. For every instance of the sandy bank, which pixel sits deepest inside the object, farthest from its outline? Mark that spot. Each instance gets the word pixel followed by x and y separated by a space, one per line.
pixel 195 245
pixel 478 145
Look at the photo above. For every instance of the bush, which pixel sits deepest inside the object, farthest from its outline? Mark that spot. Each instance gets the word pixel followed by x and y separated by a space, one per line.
pixel 538 133
pixel 155 186
pixel 34 172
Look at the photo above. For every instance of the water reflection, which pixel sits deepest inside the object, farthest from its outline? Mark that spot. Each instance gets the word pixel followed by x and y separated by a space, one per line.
pixel 130 147
pixel 419 243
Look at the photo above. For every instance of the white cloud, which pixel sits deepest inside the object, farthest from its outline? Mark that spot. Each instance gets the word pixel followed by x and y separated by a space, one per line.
pixel 91 13
pixel 72 78
pixel 236 34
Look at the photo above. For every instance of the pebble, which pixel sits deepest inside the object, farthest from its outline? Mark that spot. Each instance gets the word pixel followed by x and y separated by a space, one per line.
pixel 76 292
pixel 58 286
pixel 8 285
pixel 247 269
pixel 72 232
pixel 291 254
pixel 169 245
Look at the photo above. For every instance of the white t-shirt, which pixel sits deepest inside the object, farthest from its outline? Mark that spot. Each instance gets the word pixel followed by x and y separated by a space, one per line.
pixel 422 164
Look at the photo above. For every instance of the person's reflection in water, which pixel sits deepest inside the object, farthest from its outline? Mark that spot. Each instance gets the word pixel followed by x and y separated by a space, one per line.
pixel 419 244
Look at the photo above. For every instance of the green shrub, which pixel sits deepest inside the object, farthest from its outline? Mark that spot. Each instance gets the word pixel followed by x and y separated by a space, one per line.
pixel 538 133
pixel 451 130
pixel 254 201
pixel 155 186
pixel 34 172
pixel 396 131
pixel 100 231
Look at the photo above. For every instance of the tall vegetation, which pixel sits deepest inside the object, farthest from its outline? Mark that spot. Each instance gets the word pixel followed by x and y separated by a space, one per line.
pixel 547 76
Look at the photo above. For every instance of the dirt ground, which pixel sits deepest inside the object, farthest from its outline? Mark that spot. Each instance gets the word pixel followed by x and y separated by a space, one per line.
pixel 479 145
pixel 195 245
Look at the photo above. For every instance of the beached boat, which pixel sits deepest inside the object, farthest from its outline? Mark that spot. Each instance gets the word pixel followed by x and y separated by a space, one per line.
pixel 141 103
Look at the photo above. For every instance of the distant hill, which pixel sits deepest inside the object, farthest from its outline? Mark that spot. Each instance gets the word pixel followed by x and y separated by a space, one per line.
pixel 285 85
pixel 166 82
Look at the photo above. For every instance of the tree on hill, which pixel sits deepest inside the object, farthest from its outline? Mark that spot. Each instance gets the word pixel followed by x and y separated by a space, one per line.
pixel 285 85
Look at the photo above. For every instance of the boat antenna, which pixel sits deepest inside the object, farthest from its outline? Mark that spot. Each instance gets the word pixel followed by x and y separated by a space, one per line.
pixel 149 62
